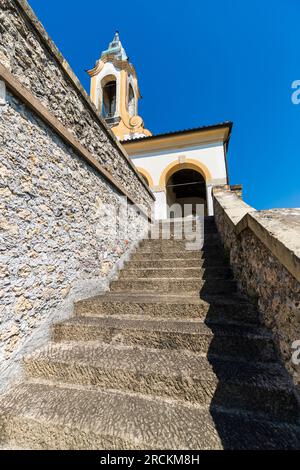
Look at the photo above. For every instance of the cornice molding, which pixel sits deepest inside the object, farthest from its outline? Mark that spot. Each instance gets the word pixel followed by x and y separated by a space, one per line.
pixel 119 64
pixel 178 141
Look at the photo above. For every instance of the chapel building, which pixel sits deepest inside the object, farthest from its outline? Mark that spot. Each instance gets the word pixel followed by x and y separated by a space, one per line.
pixel 180 167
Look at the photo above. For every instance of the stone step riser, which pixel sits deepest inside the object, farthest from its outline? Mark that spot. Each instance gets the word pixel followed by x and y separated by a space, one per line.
pixel 177 246
pixel 22 432
pixel 194 223
pixel 91 419
pixel 222 273
pixel 119 377
pixel 175 263
pixel 242 347
pixel 177 225
pixel 156 264
pixel 202 390
pixel 25 433
pixel 180 234
pixel 211 257
pixel 212 239
pixel 208 231
pixel 191 286
pixel 210 313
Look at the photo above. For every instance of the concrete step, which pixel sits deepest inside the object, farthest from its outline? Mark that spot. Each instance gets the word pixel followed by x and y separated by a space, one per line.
pixel 173 263
pixel 43 416
pixel 179 223
pixel 172 358
pixel 207 222
pixel 181 233
pixel 211 256
pixel 197 273
pixel 245 342
pixel 149 246
pixel 210 239
pixel 167 374
pixel 216 309
pixel 174 285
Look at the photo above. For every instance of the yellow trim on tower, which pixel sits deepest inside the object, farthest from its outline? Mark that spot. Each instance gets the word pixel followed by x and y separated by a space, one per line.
pixel 94 89
pixel 189 164
pixel 127 125
pixel 123 97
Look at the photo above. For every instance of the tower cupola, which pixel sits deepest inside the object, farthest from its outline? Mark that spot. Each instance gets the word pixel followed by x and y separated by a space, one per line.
pixel 115 92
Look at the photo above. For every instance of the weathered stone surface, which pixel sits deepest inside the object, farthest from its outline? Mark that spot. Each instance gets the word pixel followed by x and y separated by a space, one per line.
pixel 173 285
pixel 113 381
pixel 229 309
pixel 42 416
pixel 172 263
pixel 284 225
pixel 52 230
pixel 170 374
pixel 37 64
pixel 201 368
pixel 53 234
pixel 213 255
pixel 205 273
pixel 233 340
pixel 2 93
pixel 261 248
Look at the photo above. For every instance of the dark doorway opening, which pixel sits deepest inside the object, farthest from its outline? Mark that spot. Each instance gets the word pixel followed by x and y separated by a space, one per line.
pixel 187 186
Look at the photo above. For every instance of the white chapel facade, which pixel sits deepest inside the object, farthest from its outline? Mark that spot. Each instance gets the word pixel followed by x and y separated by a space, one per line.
pixel 180 167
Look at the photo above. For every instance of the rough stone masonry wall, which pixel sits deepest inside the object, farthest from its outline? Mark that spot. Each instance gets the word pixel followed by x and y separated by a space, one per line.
pixel 33 59
pixel 264 247
pixel 56 243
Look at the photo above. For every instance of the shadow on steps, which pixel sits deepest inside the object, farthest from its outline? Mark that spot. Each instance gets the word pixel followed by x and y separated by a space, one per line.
pixel 255 405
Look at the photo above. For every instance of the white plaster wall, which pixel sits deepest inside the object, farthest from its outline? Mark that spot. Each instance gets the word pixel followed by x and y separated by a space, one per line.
pixel 160 207
pixel 131 82
pixel 212 156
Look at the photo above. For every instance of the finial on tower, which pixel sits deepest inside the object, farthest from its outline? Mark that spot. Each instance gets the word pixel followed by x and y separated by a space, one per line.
pixel 116 49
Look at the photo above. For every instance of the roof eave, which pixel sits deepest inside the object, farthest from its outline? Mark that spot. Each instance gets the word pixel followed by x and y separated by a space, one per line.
pixel 206 135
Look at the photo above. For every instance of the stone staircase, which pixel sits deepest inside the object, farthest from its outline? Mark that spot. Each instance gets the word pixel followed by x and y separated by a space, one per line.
pixel 171 358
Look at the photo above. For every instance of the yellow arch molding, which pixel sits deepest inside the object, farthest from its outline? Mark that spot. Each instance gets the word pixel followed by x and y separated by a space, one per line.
pixel 189 164
pixel 146 175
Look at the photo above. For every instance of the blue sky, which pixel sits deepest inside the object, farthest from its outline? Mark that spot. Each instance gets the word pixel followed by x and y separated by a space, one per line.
pixel 199 63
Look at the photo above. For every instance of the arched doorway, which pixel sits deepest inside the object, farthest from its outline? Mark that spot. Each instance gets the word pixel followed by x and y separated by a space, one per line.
pixel 186 186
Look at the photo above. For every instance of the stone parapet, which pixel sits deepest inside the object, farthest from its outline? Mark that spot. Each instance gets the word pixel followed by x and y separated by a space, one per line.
pixel 264 251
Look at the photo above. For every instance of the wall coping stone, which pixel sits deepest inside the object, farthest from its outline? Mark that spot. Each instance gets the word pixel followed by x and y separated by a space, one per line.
pixel 234 207
pixel 277 229
pixel 42 112
pixel 70 75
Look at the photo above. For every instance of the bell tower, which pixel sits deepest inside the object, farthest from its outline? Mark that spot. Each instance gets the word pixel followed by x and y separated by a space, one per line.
pixel 115 92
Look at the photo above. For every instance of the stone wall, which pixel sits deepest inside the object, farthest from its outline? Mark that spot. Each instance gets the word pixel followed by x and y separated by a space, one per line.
pixel 58 239
pixel 264 251
pixel 29 54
